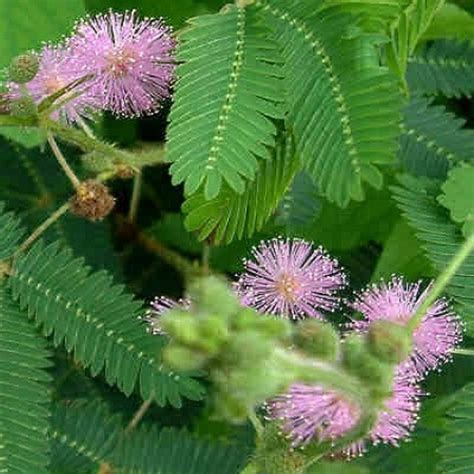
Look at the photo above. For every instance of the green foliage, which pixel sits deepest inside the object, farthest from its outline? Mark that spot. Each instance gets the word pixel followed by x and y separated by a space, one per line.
pixel 334 79
pixel 229 88
pixel 31 183
pixel 458 197
pixel 456 445
pixel 82 435
pixel 10 233
pixel 24 392
pixel 402 254
pixel 86 435
pixel 414 19
pixel 300 206
pixel 98 321
pixel 440 239
pixel 445 67
pixel 231 216
pixel 451 21
pixel 169 451
pixel 433 140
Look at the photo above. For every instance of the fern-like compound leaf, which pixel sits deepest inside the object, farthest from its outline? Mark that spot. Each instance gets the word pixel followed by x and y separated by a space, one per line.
pixel 433 139
pixel 24 392
pixel 344 108
pixel 440 238
pixel 456 445
pixel 231 216
pixel 445 67
pixel 10 233
pixel 97 321
pixel 83 435
pixel 228 92
pixel 169 451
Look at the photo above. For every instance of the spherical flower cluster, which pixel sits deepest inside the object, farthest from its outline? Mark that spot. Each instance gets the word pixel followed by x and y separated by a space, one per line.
pixel 289 278
pixel 130 61
pixel 114 61
pixel 435 338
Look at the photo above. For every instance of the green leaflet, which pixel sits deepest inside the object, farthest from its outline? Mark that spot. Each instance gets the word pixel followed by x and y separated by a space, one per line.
pixel 231 216
pixel 433 139
pixel 440 239
pixel 458 197
pixel 451 21
pixel 24 392
pixel 98 321
pixel 85 434
pixel 456 445
pixel 445 67
pixel 405 33
pixel 228 91
pixel 343 106
pixel 10 233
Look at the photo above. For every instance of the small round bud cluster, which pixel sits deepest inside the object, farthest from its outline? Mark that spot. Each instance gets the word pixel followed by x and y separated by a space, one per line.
pixel 389 342
pixel 22 107
pixel 23 68
pixel 92 201
pixel 318 339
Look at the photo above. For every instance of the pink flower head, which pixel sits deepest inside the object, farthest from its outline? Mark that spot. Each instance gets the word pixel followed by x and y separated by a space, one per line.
pixel 130 60
pixel 311 413
pixel 435 338
pixel 56 71
pixel 289 278
pixel 160 306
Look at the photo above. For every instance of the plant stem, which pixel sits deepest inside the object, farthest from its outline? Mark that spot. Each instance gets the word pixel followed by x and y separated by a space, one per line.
pixel 87 130
pixel 206 256
pixel 140 413
pixel 442 281
pixel 462 351
pixel 136 193
pixel 44 226
pixel 62 160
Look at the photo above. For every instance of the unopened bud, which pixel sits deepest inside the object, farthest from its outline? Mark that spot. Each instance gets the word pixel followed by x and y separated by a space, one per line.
pixel 389 342
pixel 358 360
pixel 23 107
pixel 23 68
pixel 92 201
pixel 182 358
pixel 318 339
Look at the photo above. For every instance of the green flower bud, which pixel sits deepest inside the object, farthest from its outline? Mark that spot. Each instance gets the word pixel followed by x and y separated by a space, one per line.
pixel 389 342
pixel 213 332
pixel 23 107
pixel 249 319
pixel 181 358
pixel 274 455
pixel 358 360
pixel 318 339
pixel 23 68
pixel 213 295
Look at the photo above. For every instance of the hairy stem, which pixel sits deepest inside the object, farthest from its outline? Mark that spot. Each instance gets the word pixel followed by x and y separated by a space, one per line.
pixel 62 160
pixel 465 352
pixel 135 201
pixel 139 414
pixel 44 226
pixel 442 281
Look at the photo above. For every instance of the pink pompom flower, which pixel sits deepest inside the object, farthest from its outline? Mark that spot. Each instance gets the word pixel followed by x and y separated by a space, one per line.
pixel 439 332
pixel 289 278
pixel 160 306
pixel 310 413
pixel 57 71
pixel 130 60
